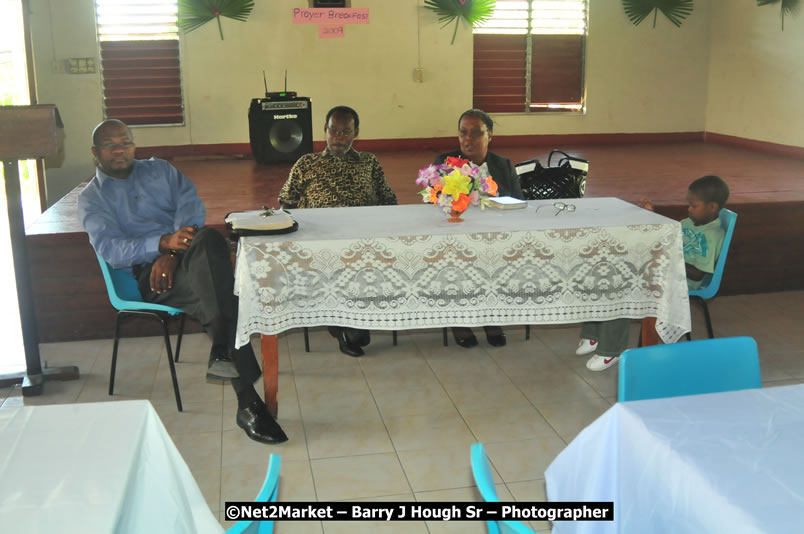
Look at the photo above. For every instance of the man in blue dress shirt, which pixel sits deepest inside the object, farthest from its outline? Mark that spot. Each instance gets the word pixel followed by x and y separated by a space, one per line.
pixel 145 216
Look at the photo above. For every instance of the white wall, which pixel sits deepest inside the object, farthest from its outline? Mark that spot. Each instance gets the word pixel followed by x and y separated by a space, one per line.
pixel 62 29
pixel 638 79
pixel 371 69
pixel 756 73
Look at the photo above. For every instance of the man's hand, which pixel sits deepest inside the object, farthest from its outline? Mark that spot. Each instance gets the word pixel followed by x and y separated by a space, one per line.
pixel 180 240
pixel 162 272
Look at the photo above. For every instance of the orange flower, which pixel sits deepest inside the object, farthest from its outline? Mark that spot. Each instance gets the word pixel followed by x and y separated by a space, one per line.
pixel 456 162
pixel 461 203
pixel 492 185
pixel 434 190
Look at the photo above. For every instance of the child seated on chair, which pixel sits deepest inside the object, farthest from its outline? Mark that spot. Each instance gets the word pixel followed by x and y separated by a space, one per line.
pixel 702 238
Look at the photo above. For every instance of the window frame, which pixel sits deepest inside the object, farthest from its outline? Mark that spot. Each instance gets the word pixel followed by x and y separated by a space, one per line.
pixel 527 104
pixel 167 100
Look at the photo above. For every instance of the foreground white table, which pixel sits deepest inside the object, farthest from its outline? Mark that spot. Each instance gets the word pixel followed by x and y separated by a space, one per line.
pixel 95 468
pixel 727 462
pixel 405 267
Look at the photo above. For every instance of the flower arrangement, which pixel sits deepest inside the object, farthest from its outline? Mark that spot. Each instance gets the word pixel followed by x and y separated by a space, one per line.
pixel 455 184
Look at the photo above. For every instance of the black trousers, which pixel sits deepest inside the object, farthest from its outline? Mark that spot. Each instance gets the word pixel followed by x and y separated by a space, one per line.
pixel 203 286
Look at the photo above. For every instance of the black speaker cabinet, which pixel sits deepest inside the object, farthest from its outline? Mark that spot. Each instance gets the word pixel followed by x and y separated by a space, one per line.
pixel 329 3
pixel 280 129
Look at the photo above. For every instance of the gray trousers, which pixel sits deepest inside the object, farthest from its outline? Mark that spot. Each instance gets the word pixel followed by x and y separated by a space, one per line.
pixel 203 286
pixel 611 336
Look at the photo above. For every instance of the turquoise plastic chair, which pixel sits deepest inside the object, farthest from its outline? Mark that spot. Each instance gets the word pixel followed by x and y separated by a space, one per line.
pixel 485 484
pixel 704 366
pixel 268 493
pixel 124 294
pixel 711 282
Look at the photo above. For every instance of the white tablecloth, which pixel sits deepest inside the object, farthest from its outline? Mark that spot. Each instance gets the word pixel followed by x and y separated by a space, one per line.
pixel 726 462
pixel 95 468
pixel 401 267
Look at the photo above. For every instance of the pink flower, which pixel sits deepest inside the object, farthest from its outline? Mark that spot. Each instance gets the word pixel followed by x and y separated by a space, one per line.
pixel 470 170
pixel 427 175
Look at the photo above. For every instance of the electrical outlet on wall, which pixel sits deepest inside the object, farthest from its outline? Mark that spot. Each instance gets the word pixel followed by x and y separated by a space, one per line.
pixel 80 65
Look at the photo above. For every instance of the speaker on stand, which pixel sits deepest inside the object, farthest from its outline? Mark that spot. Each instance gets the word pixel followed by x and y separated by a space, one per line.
pixel 280 128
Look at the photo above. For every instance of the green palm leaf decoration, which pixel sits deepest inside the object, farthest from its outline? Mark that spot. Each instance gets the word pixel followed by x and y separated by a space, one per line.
pixel 472 11
pixel 675 10
pixel 788 6
pixel 195 13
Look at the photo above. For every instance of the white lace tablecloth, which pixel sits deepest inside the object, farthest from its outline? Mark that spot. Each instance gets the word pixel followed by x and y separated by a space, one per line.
pixel 403 267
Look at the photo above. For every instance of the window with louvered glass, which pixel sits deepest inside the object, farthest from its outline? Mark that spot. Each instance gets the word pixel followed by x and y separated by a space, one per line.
pixel 530 57
pixel 140 61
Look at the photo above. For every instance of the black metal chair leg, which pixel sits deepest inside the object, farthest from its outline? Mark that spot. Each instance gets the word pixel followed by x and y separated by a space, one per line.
pixel 172 365
pixel 393 337
pixel 446 340
pixel 708 319
pixel 527 332
pixel 181 333
pixel 114 351
pixel 306 340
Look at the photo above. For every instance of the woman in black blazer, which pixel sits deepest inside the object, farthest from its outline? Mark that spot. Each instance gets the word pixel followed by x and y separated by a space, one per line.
pixel 475 129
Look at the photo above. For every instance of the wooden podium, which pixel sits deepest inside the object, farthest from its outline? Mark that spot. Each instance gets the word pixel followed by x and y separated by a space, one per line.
pixel 27 132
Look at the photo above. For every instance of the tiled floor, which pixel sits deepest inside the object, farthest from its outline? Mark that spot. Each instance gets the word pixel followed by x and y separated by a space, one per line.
pixel 397 424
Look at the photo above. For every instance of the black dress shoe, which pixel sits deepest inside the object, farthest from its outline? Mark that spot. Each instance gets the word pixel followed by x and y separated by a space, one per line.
pixel 346 346
pixel 365 338
pixel 495 336
pixel 464 337
pixel 259 424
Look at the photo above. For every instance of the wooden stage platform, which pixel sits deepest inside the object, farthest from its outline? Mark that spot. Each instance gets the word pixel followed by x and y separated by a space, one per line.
pixel 767 192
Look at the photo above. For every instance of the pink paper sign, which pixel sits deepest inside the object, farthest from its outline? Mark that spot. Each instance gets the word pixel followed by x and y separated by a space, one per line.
pixel 330 16
pixel 330 31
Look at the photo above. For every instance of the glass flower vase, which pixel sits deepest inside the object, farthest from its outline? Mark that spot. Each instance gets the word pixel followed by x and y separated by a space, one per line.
pixel 455 216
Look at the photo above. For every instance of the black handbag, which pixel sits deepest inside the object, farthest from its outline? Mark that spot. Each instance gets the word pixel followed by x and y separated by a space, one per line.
pixel 566 180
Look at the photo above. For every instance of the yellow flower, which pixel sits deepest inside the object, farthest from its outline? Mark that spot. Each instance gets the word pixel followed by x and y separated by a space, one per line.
pixel 456 183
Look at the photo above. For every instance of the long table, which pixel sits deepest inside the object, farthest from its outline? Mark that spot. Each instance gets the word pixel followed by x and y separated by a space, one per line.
pixel 723 462
pixel 100 467
pixel 406 267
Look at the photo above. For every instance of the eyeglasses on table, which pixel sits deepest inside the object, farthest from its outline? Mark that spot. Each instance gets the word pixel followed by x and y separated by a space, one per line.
pixel 560 207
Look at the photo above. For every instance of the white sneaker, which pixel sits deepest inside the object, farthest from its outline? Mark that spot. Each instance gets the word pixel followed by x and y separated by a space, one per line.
pixel 585 346
pixel 600 363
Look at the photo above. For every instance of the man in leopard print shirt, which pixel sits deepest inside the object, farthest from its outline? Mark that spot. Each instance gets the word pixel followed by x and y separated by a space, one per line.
pixel 337 177
pixel 340 175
